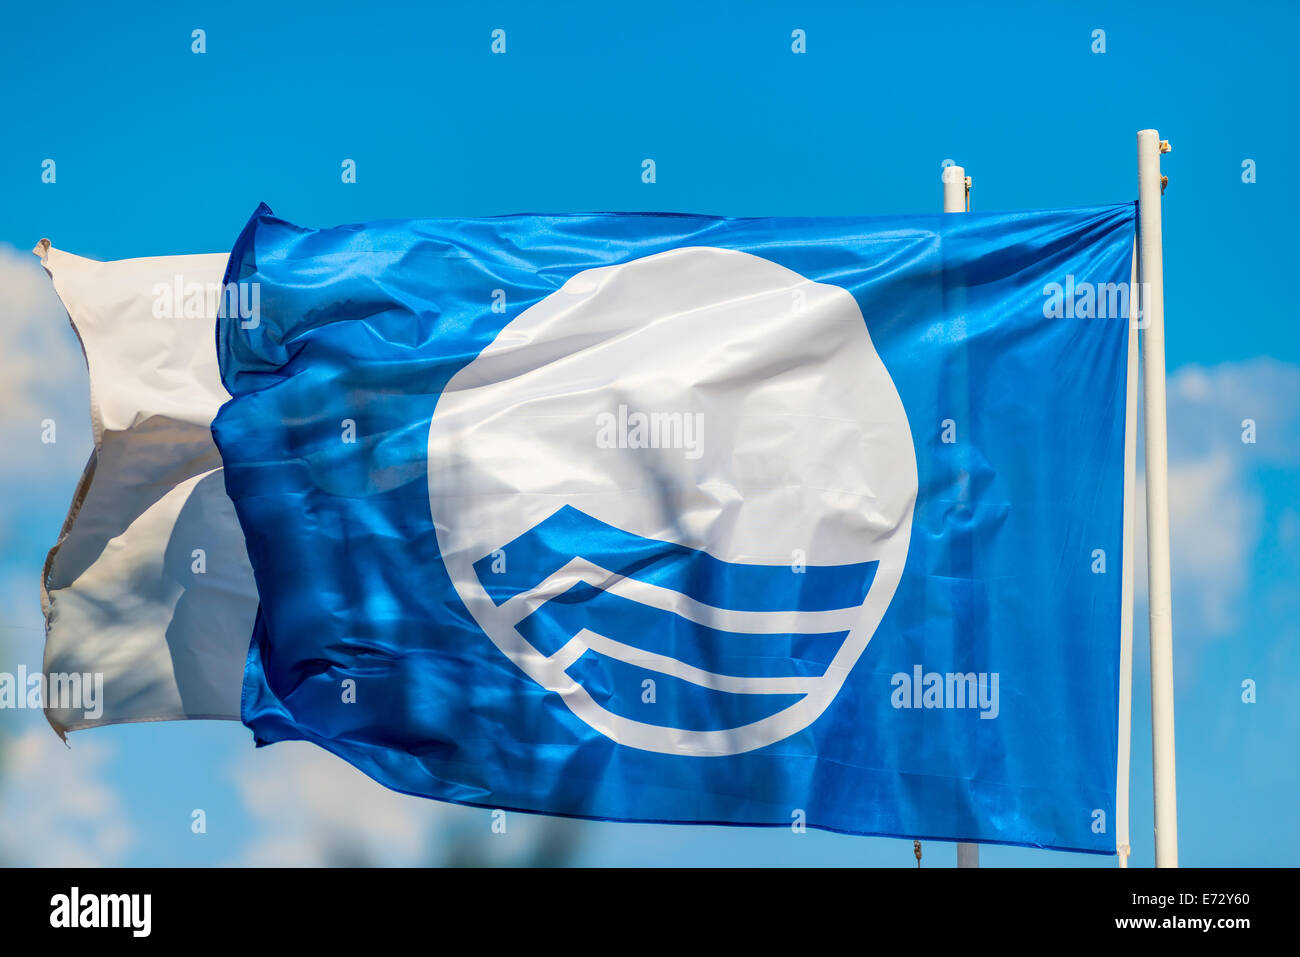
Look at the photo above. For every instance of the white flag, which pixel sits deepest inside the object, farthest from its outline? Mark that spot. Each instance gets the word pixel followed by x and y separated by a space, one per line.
pixel 149 584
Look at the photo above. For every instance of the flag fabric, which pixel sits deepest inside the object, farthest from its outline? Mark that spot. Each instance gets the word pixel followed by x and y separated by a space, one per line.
pixel 148 591
pixel 651 517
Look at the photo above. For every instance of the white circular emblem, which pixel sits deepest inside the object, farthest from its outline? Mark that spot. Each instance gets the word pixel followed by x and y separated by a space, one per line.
pixel 689 473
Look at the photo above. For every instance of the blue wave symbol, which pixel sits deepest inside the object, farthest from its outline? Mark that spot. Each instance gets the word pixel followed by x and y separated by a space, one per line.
pixel 724 644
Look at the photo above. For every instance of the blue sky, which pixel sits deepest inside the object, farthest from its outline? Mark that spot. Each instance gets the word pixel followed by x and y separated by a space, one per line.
pixel 160 150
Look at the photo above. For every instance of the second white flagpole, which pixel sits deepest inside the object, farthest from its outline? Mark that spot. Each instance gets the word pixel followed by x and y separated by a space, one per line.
pixel 956 199
pixel 1128 577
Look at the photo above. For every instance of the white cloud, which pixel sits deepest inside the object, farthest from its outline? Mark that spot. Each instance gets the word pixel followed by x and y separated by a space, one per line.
pixel 42 376
pixel 55 808
pixel 310 808
pixel 1214 527
pixel 1216 508
pixel 1207 406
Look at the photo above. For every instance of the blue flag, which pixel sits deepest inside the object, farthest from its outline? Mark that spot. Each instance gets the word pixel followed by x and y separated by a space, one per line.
pixel 676 518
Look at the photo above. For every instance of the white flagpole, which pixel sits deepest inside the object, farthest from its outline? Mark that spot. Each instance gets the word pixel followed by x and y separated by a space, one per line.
pixel 1127 578
pixel 956 190
pixel 1149 148
pixel 956 199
